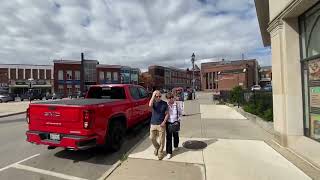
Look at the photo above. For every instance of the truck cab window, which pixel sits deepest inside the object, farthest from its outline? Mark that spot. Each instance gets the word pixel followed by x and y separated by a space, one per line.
pixel 106 93
pixel 134 92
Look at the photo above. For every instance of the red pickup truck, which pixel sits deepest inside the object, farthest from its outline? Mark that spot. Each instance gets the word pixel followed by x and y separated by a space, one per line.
pixel 101 118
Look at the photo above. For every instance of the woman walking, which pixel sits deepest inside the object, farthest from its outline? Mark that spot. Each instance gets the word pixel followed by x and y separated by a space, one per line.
pixel 173 124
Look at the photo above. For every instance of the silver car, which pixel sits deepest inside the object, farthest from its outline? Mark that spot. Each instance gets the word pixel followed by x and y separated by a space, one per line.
pixel 5 98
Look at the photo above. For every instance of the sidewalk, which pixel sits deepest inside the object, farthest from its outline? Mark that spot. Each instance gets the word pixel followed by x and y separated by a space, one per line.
pixel 236 149
pixel 12 108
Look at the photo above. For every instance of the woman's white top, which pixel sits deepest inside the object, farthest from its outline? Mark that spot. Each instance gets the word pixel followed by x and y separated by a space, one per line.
pixel 173 110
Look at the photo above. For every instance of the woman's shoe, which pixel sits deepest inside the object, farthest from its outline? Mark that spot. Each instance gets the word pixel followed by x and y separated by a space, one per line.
pixel 169 156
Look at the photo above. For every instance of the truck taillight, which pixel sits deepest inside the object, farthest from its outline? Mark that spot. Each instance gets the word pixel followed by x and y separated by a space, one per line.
pixel 28 116
pixel 88 119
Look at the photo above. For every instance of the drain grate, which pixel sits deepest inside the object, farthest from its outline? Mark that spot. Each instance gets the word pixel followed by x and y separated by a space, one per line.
pixel 193 144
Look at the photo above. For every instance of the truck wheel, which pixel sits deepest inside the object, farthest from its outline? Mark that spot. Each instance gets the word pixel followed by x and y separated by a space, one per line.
pixel 115 136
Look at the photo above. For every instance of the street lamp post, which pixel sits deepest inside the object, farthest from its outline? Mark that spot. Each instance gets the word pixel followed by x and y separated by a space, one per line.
pixel 192 60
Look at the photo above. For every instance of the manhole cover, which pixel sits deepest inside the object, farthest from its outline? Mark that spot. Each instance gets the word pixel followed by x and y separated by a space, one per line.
pixel 194 144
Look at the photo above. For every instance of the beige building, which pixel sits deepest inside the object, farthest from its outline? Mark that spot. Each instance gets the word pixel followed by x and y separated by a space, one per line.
pixel 292 29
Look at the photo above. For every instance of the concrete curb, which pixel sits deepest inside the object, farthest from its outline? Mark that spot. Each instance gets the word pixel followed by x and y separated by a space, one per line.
pixel 12 114
pixel 119 162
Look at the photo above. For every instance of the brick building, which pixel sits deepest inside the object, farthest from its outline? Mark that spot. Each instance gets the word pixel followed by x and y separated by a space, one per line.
pixel 170 77
pixel 67 76
pixel 108 74
pixel 146 80
pixel 69 80
pixel 16 78
pixel 225 75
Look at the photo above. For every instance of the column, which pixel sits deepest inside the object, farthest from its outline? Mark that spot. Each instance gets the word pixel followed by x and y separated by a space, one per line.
pixel 287 86
pixel 31 73
pixel 17 76
pixel 9 73
pixel 45 73
pixel 38 74
pixel 24 73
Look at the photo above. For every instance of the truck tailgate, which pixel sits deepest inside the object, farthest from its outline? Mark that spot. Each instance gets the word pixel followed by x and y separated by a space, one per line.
pixel 55 118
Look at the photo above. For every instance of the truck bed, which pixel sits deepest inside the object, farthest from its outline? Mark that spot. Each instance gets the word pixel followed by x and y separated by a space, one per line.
pixel 79 102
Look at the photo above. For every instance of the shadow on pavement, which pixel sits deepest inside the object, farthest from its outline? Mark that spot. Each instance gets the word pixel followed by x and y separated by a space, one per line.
pixel 98 155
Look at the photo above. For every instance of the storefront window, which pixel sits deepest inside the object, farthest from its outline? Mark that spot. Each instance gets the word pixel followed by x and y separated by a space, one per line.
pixel 310 32
pixel 310 48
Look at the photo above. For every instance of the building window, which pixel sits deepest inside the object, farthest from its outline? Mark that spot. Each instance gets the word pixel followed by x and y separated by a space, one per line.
pixel 69 75
pixel 310 45
pixel 60 75
pixel 77 75
pixel 60 88
pixel 115 76
pixel 310 32
pixel 77 87
pixel 108 77
pixel 69 89
pixel 101 75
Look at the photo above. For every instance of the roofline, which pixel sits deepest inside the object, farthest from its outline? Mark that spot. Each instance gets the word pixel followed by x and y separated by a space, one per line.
pixel 245 60
pixel 263 15
pixel 25 65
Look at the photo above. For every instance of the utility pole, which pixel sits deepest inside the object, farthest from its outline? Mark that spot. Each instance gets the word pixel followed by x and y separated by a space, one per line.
pixel 82 76
pixel 192 60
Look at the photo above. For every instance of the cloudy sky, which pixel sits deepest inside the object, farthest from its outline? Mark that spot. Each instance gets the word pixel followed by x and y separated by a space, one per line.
pixel 138 33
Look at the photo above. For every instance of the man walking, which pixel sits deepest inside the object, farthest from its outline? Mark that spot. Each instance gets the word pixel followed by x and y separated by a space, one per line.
pixel 158 123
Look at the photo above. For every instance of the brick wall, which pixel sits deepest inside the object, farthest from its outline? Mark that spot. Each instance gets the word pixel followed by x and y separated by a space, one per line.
pixel 4 75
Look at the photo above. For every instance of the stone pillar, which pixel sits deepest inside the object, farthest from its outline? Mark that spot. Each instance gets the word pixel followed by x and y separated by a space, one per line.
pixel 38 74
pixel 9 73
pixel 287 86
pixel 17 75
pixel 24 73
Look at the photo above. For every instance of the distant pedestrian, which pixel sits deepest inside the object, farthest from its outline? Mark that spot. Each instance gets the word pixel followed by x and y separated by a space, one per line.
pixel 173 124
pixel 158 123
pixel 179 97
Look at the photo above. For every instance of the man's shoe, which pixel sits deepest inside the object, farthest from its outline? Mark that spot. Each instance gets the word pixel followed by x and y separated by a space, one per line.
pixel 175 148
pixel 156 152
pixel 169 156
pixel 160 157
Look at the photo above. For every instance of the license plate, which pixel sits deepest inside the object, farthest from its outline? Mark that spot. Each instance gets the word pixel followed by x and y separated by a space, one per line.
pixel 55 137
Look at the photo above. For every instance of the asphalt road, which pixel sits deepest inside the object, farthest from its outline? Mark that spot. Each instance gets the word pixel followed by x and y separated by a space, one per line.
pixel 22 160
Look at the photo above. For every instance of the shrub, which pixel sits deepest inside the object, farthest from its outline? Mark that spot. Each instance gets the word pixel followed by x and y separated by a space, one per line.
pixel 260 104
pixel 236 95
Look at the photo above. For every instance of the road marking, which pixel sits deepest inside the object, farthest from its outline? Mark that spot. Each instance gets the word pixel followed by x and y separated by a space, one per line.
pixel 45 172
pixel 11 165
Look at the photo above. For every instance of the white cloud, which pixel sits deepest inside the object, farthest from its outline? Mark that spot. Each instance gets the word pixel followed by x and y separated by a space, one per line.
pixel 128 32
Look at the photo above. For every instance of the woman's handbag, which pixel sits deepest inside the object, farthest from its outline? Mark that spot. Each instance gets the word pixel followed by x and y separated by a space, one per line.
pixel 174 127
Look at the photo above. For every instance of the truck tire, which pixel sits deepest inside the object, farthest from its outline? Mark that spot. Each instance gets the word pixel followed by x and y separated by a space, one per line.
pixel 115 136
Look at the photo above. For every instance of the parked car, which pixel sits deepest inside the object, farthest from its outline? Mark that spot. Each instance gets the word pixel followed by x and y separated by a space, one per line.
pixel 31 95
pixel 5 98
pixel 268 87
pixel 100 119
pixel 256 88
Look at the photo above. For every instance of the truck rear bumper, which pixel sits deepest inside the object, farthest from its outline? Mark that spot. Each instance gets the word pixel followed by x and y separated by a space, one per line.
pixel 68 141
